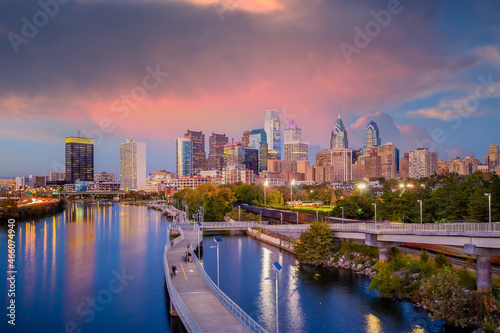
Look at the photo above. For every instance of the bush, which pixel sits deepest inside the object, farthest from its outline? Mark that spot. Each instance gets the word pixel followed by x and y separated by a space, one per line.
pixel 315 244
pixel 424 257
pixel 440 260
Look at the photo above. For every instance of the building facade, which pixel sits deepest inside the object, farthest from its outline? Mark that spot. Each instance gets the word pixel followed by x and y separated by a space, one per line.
pixel 105 177
pixel 215 154
pixel 258 140
pixel 199 157
pixel 79 159
pixel 372 138
pixel 184 157
pixel 341 161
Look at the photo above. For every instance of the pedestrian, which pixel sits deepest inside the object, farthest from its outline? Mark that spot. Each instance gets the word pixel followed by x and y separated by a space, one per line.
pixel 174 269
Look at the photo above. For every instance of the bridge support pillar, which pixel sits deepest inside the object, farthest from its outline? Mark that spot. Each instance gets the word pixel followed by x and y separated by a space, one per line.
pixel 383 247
pixel 483 257
pixel 173 310
pixel 383 254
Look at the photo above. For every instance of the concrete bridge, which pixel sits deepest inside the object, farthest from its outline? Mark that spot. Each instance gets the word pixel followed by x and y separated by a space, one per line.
pixel 92 194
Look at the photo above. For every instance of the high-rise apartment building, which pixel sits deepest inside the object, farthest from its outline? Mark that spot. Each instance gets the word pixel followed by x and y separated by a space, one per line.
pixel 216 155
pixel 373 163
pixel 323 157
pixel 57 176
pixel 422 163
pixel 79 159
pixel 258 140
pixel 292 132
pixel 133 165
pixel 273 130
pixel 184 157
pixel 199 157
pixel 272 155
pixel 339 135
pixel 372 138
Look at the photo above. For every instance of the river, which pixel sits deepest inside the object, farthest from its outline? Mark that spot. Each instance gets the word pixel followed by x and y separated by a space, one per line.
pixel 98 268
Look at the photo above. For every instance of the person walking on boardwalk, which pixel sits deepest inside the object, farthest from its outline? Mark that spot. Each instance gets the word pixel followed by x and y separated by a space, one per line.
pixel 174 269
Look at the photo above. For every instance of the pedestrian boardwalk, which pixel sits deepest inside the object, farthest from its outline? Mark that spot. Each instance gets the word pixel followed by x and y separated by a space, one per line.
pixel 208 312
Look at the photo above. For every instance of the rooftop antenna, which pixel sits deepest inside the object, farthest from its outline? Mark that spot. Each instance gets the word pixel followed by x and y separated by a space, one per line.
pixel 339 112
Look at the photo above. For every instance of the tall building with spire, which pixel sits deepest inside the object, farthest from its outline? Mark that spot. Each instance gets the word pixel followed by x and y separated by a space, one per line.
pixel 339 135
pixel 273 130
pixel 372 138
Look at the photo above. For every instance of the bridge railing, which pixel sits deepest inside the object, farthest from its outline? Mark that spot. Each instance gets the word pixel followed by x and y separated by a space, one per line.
pixel 241 315
pixel 410 227
pixel 246 224
pixel 186 317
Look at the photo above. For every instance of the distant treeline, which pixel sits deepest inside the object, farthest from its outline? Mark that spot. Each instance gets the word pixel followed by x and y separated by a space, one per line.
pixel 9 210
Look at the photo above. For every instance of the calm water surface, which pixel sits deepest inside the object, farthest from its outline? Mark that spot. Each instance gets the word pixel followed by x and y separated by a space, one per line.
pixel 98 268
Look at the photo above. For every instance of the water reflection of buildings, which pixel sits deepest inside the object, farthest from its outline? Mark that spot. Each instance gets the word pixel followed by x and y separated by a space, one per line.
pixel 267 292
pixel 294 313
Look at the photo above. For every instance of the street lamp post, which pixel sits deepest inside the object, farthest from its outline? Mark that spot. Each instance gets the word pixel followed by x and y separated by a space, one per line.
pixel 316 215
pixel 342 214
pixel 217 240
pixel 420 201
pixel 276 267
pixel 291 193
pixel 375 204
pixel 239 213
pixel 260 216
pixel 361 187
pixel 297 217
pixel 489 205
pixel 281 217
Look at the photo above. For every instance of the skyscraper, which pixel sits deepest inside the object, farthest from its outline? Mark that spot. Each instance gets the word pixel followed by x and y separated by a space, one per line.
pixel 258 140
pixel 295 149
pixel 133 165
pixel 79 159
pixel 199 157
pixel 184 157
pixel 273 130
pixel 389 159
pixel 493 158
pixel 339 135
pixel 372 138
pixel 216 155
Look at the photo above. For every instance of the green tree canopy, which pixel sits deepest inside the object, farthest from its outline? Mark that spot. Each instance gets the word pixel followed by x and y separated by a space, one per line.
pixel 315 244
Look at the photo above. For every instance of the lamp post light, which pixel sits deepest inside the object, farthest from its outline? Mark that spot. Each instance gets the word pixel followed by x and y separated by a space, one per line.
pixel 297 217
pixel 260 216
pixel 281 217
pixel 199 241
pixel 276 267
pixel 375 204
pixel 362 187
pixel 217 240
pixel 265 191
pixel 316 214
pixel 291 193
pixel 489 205
pixel 420 201
pixel 239 213
pixel 342 214
pixel 202 212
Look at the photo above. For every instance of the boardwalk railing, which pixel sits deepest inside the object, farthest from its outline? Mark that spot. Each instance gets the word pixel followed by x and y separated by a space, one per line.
pixel 186 317
pixel 241 315
pixel 230 225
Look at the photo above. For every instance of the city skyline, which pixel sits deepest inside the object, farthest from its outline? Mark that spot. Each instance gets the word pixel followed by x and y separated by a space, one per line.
pixel 411 82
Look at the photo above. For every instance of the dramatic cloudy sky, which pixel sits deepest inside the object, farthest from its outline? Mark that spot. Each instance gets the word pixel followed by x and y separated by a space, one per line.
pixel 428 75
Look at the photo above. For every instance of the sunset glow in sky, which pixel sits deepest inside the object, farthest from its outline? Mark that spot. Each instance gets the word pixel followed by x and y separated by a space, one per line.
pixel 427 72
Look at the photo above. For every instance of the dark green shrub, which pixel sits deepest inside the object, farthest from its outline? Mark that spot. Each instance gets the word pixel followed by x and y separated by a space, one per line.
pixel 424 256
pixel 440 260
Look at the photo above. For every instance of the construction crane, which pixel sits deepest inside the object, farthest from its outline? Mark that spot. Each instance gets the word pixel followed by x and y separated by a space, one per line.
pixel 231 146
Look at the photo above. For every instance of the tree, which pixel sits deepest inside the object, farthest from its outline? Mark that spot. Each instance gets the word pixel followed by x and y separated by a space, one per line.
pixel 315 244
pixel 478 206
pixel 249 194
pixel 8 210
pixel 274 198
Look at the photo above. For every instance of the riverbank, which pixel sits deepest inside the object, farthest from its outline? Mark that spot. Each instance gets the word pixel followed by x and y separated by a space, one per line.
pixel 10 210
